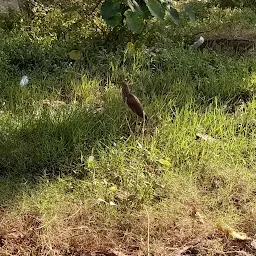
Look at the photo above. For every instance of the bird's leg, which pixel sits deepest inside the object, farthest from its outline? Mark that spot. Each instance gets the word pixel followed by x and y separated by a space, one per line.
pixel 129 125
pixel 137 125
pixel 143 129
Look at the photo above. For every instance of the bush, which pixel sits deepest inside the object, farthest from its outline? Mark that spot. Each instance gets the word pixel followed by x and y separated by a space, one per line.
pixel 234 3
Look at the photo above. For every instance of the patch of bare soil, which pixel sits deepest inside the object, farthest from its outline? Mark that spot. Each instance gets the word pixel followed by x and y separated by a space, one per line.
pixel 239 42
pixel 20 236
pixel 237 45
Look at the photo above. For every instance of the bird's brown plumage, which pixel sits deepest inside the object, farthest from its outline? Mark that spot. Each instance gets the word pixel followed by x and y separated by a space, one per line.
pixel 132 101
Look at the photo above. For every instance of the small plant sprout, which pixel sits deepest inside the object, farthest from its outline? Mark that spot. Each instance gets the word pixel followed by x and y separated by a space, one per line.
pixel 90 161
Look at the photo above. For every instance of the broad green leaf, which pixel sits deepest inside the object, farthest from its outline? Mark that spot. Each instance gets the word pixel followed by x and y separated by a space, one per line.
pixel 115 20
pixel 146 13
pixel 137 7
pixel 134 6
pixel 164 3
pixel 134 21
pixel 75 55
pixel 156 8
pixel 165 162
pixel 174 15
pixel 109 9
pixel 190 12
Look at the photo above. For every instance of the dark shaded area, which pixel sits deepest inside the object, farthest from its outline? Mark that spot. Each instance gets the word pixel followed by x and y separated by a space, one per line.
pixel 48 143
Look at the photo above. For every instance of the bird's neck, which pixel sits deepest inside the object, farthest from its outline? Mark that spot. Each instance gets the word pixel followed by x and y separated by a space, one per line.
pixel 126 90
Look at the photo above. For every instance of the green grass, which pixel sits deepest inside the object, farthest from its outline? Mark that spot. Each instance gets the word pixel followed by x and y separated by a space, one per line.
pixel 67 139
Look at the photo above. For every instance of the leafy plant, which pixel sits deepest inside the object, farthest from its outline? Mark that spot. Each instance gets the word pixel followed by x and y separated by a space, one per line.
pixel 135 13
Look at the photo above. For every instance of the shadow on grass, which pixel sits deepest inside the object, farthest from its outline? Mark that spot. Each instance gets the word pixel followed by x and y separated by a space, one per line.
pixel 57 145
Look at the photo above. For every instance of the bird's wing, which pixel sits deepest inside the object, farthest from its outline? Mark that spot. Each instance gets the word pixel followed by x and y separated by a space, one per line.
pixel 134 104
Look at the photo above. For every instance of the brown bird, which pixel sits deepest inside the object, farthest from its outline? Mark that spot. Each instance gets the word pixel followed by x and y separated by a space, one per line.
pixel 132 101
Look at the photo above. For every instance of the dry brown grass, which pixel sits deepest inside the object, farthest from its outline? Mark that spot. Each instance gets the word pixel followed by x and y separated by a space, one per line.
pixel 79 231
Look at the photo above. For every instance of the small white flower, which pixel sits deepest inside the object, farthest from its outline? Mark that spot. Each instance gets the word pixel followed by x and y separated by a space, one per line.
pixel 24 81
pixel 101 200
pixel 198 43
pixel 139 145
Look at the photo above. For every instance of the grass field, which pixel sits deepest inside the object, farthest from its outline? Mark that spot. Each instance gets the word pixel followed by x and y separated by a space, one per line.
pixel 80 174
